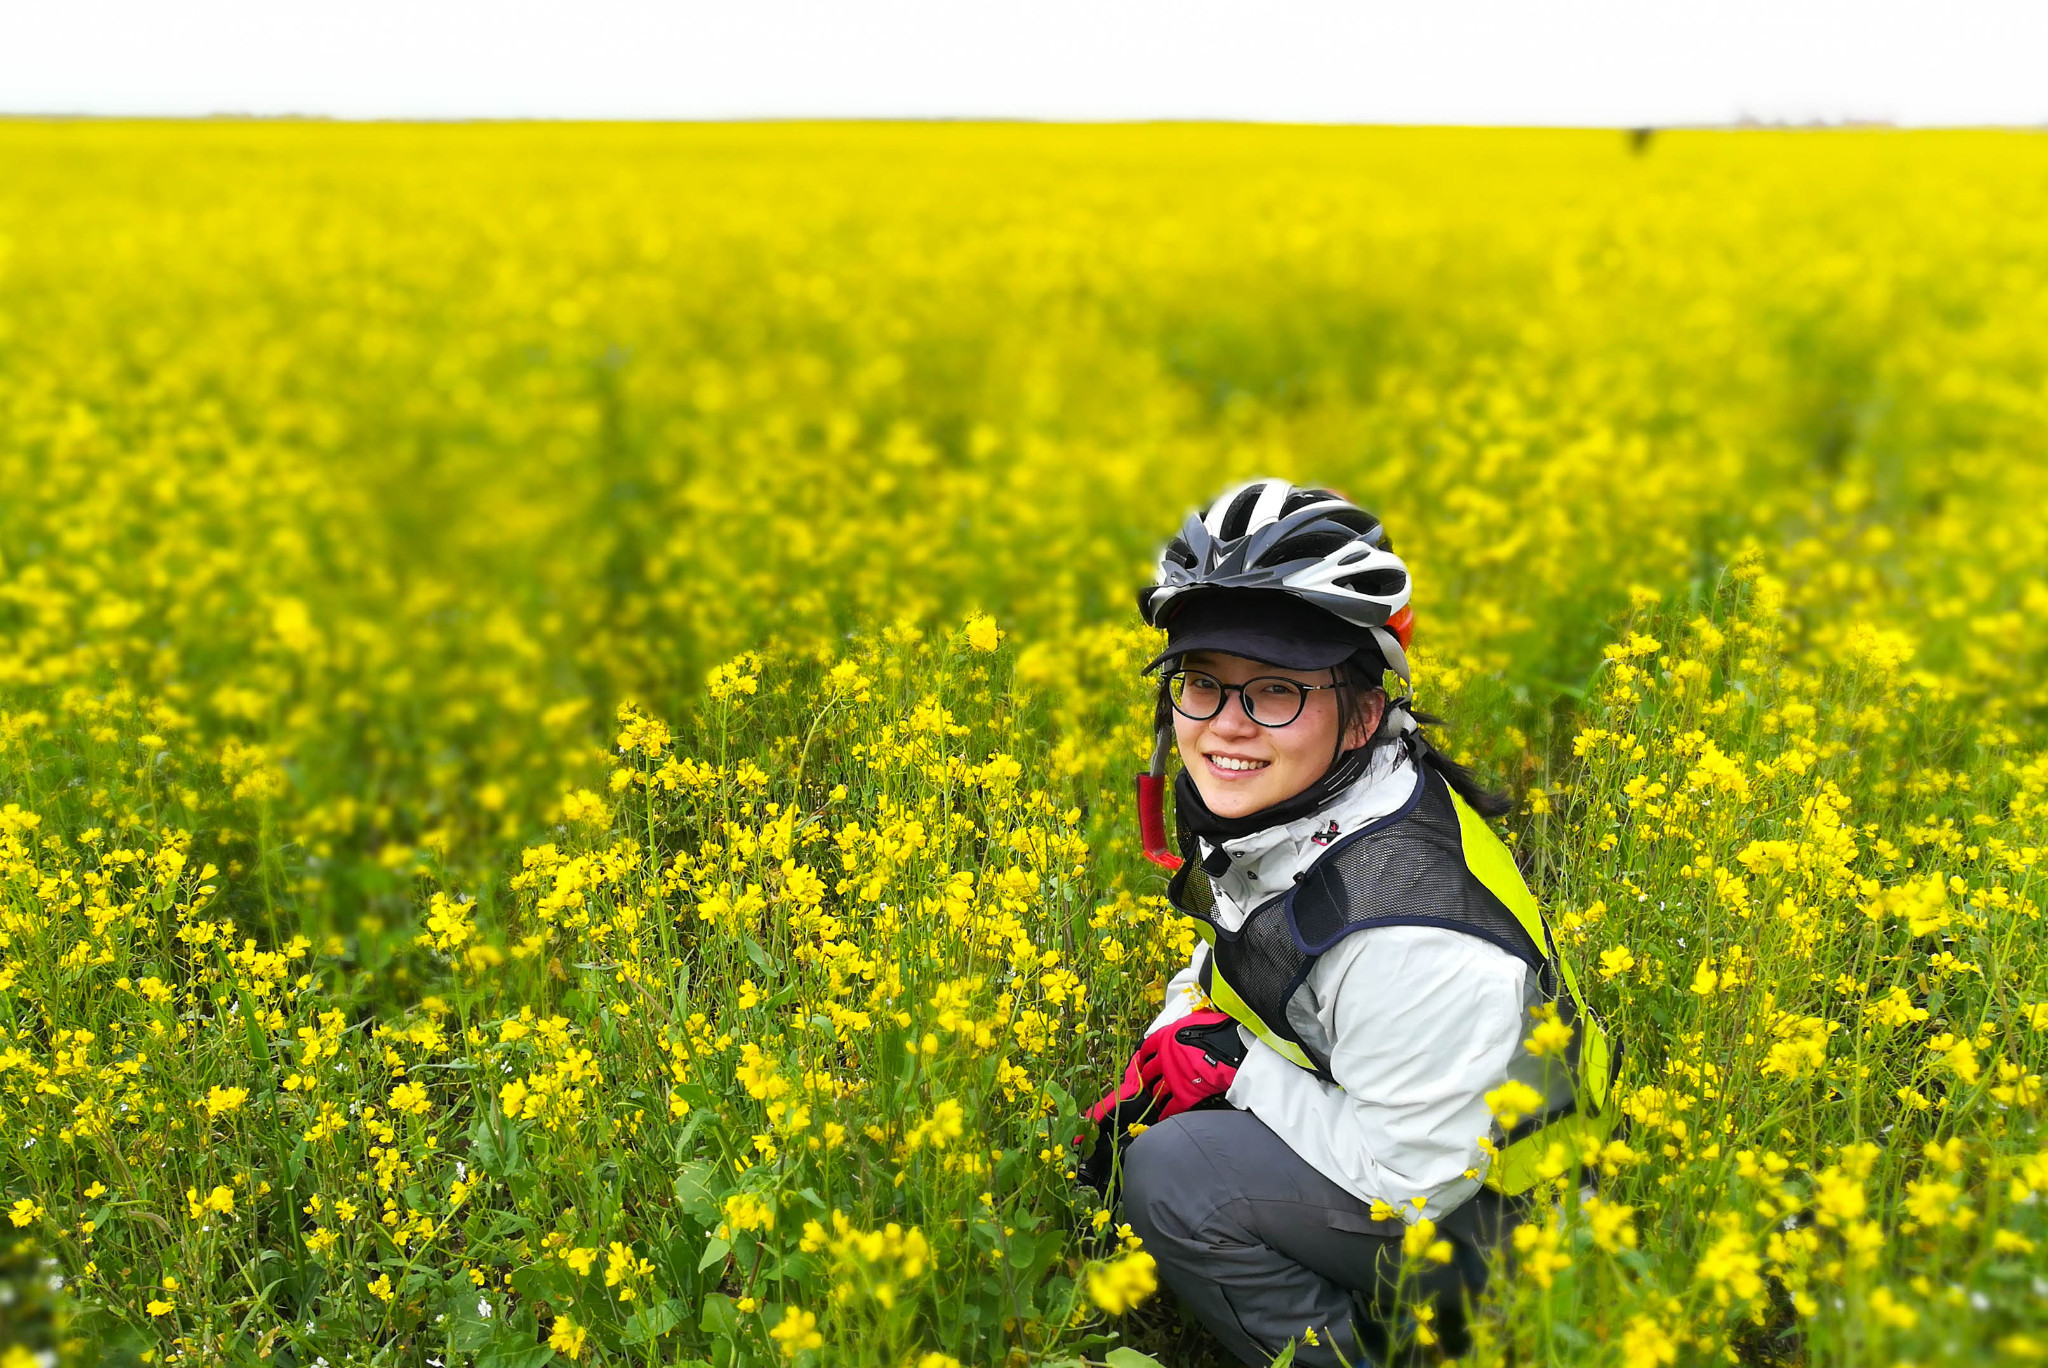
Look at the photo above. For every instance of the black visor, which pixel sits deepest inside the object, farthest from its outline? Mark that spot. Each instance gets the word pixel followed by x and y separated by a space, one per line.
pixel 1260 624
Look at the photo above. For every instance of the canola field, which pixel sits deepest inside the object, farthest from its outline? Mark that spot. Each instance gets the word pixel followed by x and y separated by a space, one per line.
pixel 568 697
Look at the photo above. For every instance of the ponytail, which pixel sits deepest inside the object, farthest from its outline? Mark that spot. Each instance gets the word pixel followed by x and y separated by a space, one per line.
pixel 1401 723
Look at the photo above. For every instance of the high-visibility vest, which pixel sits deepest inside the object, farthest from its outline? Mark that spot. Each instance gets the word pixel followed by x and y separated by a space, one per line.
pixel 1434 862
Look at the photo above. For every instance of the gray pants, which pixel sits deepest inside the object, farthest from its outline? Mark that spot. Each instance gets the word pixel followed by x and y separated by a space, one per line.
pixel 1261 1246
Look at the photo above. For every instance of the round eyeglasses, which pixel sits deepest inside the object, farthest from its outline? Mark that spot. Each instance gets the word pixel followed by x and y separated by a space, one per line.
pixel 1269 700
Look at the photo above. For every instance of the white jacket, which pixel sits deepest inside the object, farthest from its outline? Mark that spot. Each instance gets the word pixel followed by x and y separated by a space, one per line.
pixel 1418 1024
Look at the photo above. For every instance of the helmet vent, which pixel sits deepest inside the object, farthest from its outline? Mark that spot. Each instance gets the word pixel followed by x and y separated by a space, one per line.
pixel 1237 518
pixel 1375 583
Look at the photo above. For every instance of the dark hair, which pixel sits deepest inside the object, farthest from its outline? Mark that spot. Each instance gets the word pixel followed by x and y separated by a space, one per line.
pixel 1358 675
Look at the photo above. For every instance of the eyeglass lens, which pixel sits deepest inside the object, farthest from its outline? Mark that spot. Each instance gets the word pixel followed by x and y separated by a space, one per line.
pixel 1270 701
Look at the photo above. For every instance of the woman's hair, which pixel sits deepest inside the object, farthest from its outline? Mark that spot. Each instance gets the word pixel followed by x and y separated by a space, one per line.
pixel 1357 676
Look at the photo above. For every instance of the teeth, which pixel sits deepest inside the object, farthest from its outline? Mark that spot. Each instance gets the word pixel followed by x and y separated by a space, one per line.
pixel 1232 763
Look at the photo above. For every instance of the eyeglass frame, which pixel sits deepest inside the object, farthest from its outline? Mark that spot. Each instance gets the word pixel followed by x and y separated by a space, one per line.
pixel 1243 699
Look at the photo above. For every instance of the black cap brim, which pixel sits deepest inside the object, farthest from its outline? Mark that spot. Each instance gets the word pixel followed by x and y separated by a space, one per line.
pixel 1263 625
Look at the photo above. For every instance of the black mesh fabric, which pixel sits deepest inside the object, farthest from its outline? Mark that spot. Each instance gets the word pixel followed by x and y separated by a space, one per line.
pixel 1407 869
pixel 1405 872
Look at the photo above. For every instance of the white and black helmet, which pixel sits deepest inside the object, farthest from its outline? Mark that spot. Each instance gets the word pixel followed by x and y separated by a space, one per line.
pixel 1309 544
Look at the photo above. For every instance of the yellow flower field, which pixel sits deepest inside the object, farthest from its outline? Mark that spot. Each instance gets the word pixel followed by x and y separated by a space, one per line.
pixel 568 694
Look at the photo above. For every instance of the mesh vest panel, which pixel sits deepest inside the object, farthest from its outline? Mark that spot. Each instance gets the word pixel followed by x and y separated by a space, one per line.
pixel 1406 869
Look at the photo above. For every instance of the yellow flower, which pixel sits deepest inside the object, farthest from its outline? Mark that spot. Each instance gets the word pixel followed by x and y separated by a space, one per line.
pixel 1513 1100
pixel 1550 1037
pixel 623 1268
pixel 1647 1344
pixel 220 1101
pixel 745 1211
pixel 159 1307
pixel 1887 1309
pixel 982 634
pixel 220 1200
pixel 410 1099
pixel 567 1337
pixel 1124 1282
pixel 1613 1225
pixel 380 1287
pixel 797 1332
pixel 733 680
pixel 1419 1241
pixel 1731 1267
pixel 25 1211
pixel 1616 962
pixel 1541 1252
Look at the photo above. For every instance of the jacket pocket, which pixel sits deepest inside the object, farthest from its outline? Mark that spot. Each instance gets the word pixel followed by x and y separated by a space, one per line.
pixel 1358 1223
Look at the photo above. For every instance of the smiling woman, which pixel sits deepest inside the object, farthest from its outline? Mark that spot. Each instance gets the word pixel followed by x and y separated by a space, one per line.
pixel 1339 1073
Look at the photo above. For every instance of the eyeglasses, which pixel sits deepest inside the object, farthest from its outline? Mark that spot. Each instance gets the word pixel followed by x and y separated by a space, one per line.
pixel 1269 700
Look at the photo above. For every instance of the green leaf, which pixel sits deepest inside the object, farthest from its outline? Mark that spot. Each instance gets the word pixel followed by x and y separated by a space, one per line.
pixel 714 1253
pixel 720 1316
pixel 497 1148
pixel 695 1190
pixel 760 958
pixel 514 1351
pixel 1127 1357
pixel 543 1283
pixel 652 1322
pixel 698 1116
pixel 467 1331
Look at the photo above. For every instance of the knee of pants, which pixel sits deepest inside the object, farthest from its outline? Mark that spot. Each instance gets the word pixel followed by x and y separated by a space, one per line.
pixel 1158 1192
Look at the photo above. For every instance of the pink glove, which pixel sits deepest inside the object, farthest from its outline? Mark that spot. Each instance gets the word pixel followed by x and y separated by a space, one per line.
pixel 1183 1063
pixel 1139 1078
pixel 1197 1059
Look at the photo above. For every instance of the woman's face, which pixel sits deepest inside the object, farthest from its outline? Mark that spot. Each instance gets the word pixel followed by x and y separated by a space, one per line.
pixel 1240 767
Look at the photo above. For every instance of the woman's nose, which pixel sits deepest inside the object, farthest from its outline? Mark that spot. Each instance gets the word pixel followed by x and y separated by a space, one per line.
pixel 1232 721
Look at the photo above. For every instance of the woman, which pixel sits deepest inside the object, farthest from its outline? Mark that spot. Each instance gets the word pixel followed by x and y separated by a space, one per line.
pixel 1371 968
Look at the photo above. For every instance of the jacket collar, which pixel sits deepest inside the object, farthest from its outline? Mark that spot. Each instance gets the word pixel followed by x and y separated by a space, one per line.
pixel 1267 861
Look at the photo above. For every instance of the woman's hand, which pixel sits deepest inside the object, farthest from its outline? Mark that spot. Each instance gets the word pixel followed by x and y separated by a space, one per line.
pixel 1137 1083
pixel 1179 1066
pixel 1196 1061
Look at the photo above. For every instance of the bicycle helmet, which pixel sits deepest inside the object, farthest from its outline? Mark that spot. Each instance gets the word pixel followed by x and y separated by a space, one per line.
pixel 1305 543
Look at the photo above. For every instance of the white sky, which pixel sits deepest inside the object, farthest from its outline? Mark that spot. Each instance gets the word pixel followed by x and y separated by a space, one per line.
pixel 1611 62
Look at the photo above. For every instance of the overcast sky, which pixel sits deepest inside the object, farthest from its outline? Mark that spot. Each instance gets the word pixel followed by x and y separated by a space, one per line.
pixel 1611 62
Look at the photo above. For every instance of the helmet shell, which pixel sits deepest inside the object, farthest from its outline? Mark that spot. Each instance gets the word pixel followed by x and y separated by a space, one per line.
pixel 1306 542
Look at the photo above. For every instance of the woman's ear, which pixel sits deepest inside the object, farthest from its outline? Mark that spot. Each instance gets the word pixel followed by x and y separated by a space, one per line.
pixel 1372 706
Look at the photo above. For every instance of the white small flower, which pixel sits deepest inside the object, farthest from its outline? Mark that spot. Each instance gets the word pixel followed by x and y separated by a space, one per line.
pixel 483 1308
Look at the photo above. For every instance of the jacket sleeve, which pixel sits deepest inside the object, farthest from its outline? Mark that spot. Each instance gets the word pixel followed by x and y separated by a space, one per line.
pixel 1422 1023
pixel 1183 990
